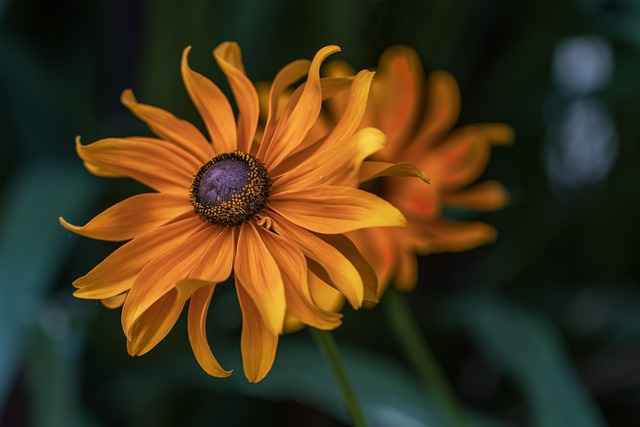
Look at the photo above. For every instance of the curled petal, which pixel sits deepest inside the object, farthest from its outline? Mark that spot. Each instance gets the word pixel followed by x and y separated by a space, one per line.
pixel 153 162
pixel 286 77
pixel 260 276
pixel 167 126
pixel 333 209
pixel 115 301
pixel 229 58
pixel 371 170
pixel 197 328
pixel 132 217
pixel 258 342
pixel 291 132
pixel 212 105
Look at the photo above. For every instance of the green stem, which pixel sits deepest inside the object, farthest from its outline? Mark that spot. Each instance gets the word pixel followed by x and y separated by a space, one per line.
pixel 328 346
pixel 407 331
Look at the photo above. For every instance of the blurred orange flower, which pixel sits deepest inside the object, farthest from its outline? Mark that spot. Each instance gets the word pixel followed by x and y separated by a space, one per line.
pixel 417 117
pixel 274 212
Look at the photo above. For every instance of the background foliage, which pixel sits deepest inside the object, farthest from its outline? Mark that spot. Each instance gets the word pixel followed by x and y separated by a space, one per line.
pixel 540 329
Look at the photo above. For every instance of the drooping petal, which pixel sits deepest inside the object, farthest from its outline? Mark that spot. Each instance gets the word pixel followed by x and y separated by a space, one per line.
pixel 486 196
pixel 291 73
pixel 380 248
pixel 332 263
pixel 497 133
pixel 372 169
pixel 331 209
pixel 132 217
pixel 154 324
pixel 118 271
pixel 163 273
pixel 229 58
pixel 153 162
pixel 293 268
pixel 259 274
pixel 167 126
pixel 197 328
pixel 213 106
pixel 158 320
pixel 291 132
pixel 258 342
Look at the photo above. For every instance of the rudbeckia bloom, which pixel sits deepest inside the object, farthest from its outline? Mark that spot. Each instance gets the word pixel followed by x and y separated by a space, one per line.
pixel 417 117
pixel 271 211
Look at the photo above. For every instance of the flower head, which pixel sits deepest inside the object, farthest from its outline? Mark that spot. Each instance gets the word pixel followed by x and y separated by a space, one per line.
pixel 417 117
pixel 272 212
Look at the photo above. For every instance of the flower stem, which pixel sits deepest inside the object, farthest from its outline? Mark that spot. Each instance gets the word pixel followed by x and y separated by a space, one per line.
pixel 328 346
pixel 407 331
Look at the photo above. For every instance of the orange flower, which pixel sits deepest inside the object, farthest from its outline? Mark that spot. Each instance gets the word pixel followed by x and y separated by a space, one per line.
pixel 417 117
pixel 274 212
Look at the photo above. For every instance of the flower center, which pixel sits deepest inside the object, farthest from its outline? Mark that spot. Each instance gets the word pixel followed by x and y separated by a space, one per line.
pixel 230 189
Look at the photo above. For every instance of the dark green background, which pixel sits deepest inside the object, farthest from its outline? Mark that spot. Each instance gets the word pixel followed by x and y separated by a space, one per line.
pixel 540 329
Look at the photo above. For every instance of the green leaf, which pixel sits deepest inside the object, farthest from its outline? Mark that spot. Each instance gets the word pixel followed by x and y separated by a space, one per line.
pixel 530 350
pixel 33 246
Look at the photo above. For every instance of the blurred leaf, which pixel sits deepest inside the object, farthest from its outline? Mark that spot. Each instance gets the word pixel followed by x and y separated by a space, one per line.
pixel 33 246
pixel 52 374
pixel 528 349
pixel 300 374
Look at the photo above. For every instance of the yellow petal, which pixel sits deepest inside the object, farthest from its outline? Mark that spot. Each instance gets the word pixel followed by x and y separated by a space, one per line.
pixel 371 170
pixel 167 126
pixel 259 274
pixel 217 262
pixel 114 302
pixel 118 271
pixel 197 328
pixel 293 268
pixel 258 342
pixel 229 58
pixel 154 324
pixel 153 162
pixel 337 165
pixel 380 248
pixel 324 260
pixel 213 106
pixel 332 209
pixel 286 77
pixel 133 216
pixel 291 132
pixel 163 273
pixel 487 196
pixel 351 252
